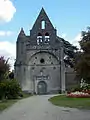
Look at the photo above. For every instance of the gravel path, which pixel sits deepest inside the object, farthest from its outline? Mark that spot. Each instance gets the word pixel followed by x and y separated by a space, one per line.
pixel 38 108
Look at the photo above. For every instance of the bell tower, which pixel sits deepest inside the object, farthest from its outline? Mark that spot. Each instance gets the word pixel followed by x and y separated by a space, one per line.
pixel 43 31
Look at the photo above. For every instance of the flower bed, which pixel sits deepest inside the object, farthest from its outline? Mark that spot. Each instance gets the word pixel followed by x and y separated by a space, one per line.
pixel 78 94
pixel 86 91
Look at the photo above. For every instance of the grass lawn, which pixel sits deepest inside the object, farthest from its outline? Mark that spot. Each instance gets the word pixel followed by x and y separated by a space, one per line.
pixel 62 100
pixel 7 103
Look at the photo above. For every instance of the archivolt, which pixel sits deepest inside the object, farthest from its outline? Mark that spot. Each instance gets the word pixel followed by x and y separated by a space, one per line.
pixel 44 52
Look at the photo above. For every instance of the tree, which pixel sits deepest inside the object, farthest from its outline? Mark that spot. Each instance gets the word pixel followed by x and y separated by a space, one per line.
pixel 70 52
pixel 82 62
pixel 4 68
pixel 9 89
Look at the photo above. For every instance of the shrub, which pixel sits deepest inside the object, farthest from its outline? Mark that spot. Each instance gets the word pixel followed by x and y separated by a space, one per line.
pixel 2 90
pixel 10 89
pixel 75 88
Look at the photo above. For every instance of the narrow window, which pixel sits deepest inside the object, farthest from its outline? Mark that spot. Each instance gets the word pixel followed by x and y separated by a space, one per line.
pixel 47 38
pixel 39 38
pixel 24 70
pixel 22 47
pixel 43 24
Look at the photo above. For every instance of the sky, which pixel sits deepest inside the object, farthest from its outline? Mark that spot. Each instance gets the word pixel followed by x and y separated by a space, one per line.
pixel 69 17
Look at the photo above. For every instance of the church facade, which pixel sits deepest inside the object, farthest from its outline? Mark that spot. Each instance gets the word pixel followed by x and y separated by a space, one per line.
pixel 39 65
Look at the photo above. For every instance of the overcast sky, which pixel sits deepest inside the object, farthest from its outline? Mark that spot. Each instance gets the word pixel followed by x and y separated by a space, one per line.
pixel 70 17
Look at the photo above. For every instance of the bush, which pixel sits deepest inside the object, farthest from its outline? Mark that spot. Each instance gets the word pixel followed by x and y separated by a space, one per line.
pixel 2 90
pixel 85 89
pixel 75 88
pixel 9 89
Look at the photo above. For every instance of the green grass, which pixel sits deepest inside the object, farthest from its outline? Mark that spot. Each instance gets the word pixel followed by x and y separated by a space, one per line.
pixel 62 100
pixel 26 95
pixel 7 103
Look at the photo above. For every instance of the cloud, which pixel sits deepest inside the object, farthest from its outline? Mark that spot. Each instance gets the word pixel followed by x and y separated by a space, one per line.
pixel 78 37
pixel 76 40
pixel 8 50
pixel 64 35
pixel 7 10
pixel 5 33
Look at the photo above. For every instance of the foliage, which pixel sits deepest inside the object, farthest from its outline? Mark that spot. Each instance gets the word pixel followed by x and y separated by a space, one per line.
pixel 11 75
pixel 84 85
pixel 4 68
pixel 82 63
pixel 70 52
pixel 75 88
pixel 78 94
pixel 2 90
pixel 9 89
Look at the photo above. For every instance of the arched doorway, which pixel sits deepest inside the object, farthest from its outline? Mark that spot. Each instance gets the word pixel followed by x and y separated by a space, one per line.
pixel 42 87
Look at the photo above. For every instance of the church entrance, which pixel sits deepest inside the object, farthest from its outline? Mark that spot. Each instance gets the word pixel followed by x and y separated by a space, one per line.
pixel 42 88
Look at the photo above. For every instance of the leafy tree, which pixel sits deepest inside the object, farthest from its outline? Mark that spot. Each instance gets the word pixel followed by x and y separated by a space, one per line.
pixel 70 52
pixel 9 88
pixel 4 68
pixel 82 62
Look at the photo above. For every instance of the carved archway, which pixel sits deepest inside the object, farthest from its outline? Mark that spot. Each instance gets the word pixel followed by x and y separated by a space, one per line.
pixel 42 87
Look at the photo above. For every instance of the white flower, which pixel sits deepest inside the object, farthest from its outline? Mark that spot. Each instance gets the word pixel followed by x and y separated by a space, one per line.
pixel 79 93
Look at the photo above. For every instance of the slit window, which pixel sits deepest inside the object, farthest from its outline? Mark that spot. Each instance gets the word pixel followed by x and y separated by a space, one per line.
pixel 43 24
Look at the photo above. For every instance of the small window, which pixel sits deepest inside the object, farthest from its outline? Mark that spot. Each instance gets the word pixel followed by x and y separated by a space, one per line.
pixel 54 68
pixel 39 38
pixel 47 38
pixel 32 68
pixel 42 60
pixel 49 57
pixel 43 24
pixel 24 69
pixel 56 50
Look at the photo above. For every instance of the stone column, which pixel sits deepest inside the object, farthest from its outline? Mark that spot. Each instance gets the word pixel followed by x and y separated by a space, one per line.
pixel 62 70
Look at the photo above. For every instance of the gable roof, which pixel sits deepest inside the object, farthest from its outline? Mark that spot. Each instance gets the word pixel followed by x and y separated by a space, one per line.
pixel 42 17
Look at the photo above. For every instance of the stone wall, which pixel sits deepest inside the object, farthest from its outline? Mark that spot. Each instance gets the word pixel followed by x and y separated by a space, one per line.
pixel 70 78
pixel 50 68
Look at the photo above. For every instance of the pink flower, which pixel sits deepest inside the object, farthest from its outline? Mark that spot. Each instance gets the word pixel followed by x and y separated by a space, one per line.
pixel 78 94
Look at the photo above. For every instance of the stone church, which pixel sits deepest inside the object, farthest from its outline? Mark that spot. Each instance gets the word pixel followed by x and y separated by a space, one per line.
pixel 39 65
